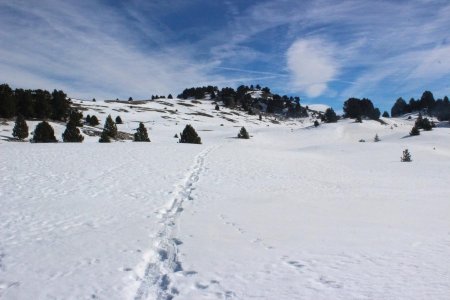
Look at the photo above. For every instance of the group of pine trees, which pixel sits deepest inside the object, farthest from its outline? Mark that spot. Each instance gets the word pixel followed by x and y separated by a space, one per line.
pixel 241 98
pixel 355 108
pixel 421 123
pixel 439 108
pixel 39 104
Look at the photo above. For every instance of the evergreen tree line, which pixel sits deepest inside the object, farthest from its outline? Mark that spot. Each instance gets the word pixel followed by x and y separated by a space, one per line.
pixel 199 92
pixel 39 104
pixel 439 108
pixel 242 99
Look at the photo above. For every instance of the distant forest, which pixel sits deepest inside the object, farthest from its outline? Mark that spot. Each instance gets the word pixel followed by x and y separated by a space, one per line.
pixel 42 104
pixel 33 104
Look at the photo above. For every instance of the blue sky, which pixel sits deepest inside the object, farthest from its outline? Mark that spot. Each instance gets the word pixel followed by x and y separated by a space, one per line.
pixel 324 51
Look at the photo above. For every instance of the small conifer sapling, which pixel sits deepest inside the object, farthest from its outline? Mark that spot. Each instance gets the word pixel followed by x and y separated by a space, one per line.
pixel 414 131
pixel 406 157
pixel 243 134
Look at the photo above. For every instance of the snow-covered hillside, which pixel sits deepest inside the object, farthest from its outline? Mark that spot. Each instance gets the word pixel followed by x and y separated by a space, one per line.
pixel 296 212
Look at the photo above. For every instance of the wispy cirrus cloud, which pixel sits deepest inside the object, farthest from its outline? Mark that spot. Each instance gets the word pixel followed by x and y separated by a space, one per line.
pixel 319 49
pixel 89 53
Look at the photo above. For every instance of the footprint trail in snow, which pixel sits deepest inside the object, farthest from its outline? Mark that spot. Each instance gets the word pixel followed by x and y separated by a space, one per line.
pixel 162 260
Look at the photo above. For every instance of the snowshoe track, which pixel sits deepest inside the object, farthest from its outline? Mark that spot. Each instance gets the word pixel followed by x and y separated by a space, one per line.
pixel 155 282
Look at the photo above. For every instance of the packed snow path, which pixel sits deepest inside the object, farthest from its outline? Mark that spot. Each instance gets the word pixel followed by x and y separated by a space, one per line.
pixel 163 259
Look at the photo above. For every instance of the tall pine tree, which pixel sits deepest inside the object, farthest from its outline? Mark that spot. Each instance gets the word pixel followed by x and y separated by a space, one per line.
pixel 20 130
pixel 110 127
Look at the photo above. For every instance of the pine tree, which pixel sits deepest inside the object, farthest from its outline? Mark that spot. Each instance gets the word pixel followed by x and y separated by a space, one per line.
pixel 426 124
pixel 20 130
pixel 217 107
pixel 104 138
pixel 376 138
pixel 176 135
pixel 170 96
pixel 110 127
pixel 414 131
pixel 119 120
pixel 330 116
pixel 72 133
pixel 88 119
pixel 243 134
pixel 385 114
pixel 44 133
pixel 60 105
pixel 76 117
pixel 316 123
pixel 141 134
pixel 406 156
pixel 190 136
pixel 94 121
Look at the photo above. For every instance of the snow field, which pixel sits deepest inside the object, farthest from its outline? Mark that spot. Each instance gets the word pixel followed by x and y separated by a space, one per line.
pixel 296 212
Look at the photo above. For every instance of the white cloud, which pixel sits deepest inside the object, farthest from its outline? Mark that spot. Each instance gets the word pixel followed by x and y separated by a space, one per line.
pixel 312 65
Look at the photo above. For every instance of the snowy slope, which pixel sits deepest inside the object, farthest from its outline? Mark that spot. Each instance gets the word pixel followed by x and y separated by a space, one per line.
pixel 296 212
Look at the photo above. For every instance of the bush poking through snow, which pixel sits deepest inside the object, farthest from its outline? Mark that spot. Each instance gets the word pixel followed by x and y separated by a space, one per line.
pixel 376 138
pixel 119 120
pixel 316 123
pixel 406 156
pixel 217 107
pixel 176 135
pixel 93 121
pixel 190 136
pixel 141 134
pixel 243 134
pixel 414 131
pixel 104 138
pixel 44 133
pixel 20 130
